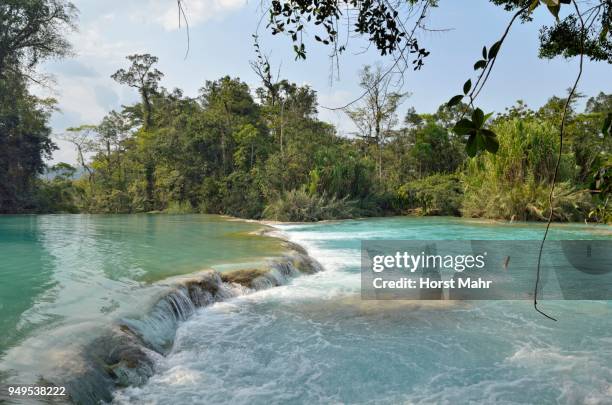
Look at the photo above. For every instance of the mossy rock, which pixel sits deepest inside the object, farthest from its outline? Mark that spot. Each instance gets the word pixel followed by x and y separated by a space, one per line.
pixel 243 277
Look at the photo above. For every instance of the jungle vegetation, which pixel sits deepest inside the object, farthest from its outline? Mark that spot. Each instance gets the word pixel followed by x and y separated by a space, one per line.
pixel 263 153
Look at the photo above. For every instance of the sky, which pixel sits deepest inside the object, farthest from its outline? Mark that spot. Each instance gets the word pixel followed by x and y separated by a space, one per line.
pixel 221 44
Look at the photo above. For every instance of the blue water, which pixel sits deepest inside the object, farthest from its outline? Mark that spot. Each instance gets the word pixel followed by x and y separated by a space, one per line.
pixel 316 341
pixel 67 279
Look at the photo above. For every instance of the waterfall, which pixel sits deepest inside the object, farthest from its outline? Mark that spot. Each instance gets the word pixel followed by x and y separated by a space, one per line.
pixel 127 356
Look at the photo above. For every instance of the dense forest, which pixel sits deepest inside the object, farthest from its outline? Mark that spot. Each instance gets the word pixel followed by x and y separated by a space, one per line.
pixel 263 153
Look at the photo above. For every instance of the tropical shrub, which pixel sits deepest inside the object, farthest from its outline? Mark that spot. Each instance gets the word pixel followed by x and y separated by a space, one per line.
pixel 300 206
pixel 438 194
pixel 515 182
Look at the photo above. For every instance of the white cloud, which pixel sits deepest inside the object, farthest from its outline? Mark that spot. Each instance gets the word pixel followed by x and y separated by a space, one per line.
pixel 197 11
pixel 91 42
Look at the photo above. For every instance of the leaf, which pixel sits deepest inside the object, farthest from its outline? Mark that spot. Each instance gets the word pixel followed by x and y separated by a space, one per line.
pixel 480 143
pixel 478 118
pixel 487 116
pixel 607 126
pixel 470 147
pixel 553 6
pixel 480 64
pixel 454 100
pixel 484 52
pixel 604 32
pixel 467 86
pixel 533 5
pixel 491 143
pixel 554 10
pixel 463 127
pixel 494 49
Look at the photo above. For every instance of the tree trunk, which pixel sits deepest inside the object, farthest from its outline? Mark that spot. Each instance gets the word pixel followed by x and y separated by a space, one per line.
pixel 146 110
pixel 379 161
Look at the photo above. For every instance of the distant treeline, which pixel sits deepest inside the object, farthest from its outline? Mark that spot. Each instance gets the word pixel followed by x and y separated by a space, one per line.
pixel 264 154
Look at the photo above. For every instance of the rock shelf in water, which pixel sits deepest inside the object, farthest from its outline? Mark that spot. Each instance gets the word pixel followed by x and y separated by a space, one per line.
pixel 127 356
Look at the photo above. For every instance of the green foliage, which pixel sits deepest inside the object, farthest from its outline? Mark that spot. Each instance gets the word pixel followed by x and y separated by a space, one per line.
pixel 438 194
pixel 225 152
pixel 300 206
pixel 32 31
pixel 142 76
pixel 380 22
pixel 515 182
pixel 59 194
pixel 24 144
pixel 176 207
pixel 479 138
pixel 435 150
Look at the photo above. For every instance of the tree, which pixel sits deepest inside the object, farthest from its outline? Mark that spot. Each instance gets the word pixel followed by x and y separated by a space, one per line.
pixel 602 103
pixel 82 138
pixel 229 106
pixel 392 26
pixel 33 30
pixel 435 151
pixel 30 31
pixel 59 193
pixel 111 131
pixel 142 76
pixel 24 143
pixel 375 114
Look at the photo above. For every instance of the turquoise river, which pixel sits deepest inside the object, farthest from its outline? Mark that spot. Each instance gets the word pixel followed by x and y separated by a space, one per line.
pixel 65 279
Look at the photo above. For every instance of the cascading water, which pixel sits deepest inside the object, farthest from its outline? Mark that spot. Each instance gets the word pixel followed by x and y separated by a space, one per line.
pixel 127 357
pixel 224 336
pixel 315 341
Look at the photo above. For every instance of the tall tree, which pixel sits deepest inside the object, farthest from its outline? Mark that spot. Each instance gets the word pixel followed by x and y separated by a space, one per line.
pixel 82 138
pixel 24 143
pixel 142 76
pixel 30 31
pixel 375 115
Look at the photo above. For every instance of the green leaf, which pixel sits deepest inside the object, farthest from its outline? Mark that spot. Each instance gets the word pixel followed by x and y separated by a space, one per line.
pixel 553 6
pixel 467 86
pixel 480 64
pixel 478 118
pixel 480 143
pixel 487 116
pixel 607 126
pixel 604 32
pixel 533 5
pixel 455 100
pixel 488 132
pixel 494 49
pixel 470 147
pixel 490 141
pixel 463 127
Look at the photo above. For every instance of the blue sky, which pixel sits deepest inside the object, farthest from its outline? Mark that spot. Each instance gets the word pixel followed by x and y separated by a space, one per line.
pixel 221 44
